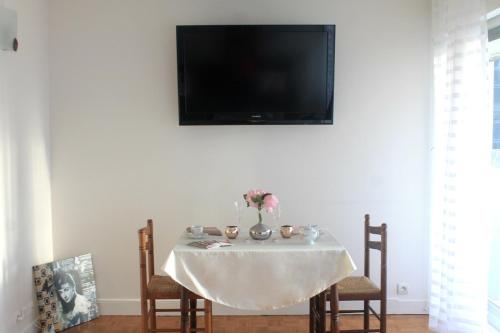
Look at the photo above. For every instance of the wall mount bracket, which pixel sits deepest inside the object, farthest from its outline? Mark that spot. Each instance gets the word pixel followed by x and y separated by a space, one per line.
pixel 8 30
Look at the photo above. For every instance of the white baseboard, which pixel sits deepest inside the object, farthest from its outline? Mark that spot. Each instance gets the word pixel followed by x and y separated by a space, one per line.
pixel 122 306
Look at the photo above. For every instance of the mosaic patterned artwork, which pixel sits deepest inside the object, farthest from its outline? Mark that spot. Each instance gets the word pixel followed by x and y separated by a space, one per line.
pixel 65 293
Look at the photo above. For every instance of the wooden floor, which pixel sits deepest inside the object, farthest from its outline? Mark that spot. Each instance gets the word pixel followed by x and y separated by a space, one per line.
pixel 252 324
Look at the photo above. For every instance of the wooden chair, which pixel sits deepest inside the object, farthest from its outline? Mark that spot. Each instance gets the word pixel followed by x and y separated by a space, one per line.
pixel 156 287
pixel 356 288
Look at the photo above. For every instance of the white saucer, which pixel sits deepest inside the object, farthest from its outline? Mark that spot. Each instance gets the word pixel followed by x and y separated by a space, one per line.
pixel 191 236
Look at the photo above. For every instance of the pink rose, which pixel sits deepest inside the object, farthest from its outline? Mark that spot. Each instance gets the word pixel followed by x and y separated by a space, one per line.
pixel 261 199
pixel 252 197
pixel 270 203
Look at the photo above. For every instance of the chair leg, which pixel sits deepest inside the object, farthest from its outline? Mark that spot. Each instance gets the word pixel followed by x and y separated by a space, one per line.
pixel 192 315
pixel 208 316
pixel 383 316
pixel 153 313
pixel 184 310
pixel 322 312
pixel 334 309
pixel 144 315
pixel 312 311
pixel 366 315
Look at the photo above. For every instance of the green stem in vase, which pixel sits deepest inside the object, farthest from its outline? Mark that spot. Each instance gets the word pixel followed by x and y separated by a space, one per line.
pixel 260 217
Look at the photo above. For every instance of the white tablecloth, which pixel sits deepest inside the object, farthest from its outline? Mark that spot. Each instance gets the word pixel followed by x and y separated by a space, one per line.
pixel 260 275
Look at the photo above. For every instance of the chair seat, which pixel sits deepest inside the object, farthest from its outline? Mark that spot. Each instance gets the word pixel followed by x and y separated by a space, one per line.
pixel 357 288
pixel 163 287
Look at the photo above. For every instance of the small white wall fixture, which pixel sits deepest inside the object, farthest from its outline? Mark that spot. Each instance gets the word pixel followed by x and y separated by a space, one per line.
pixel 8 29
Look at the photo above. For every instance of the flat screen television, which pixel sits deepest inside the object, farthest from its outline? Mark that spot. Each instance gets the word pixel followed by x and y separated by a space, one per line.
pixel 255 74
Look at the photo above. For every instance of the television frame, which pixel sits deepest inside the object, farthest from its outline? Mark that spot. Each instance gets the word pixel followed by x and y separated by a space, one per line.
pixel 330 73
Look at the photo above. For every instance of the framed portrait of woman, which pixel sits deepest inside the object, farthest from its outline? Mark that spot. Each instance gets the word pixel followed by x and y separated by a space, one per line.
pixel 66 293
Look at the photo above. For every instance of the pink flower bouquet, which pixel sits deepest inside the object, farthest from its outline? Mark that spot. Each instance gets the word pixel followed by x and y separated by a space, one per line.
pixel 261 199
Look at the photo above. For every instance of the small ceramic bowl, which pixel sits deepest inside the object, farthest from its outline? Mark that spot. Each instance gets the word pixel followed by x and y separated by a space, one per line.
pixel 231 231
pixel 286 231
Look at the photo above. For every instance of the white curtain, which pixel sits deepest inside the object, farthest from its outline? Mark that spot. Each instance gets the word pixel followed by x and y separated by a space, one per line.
pixel 461 164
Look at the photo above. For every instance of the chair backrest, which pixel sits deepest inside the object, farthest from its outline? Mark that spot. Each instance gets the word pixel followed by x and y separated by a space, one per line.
pixel 380 245
pixel 146 253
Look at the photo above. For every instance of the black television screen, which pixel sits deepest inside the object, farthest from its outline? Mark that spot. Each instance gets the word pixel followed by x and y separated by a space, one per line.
pixel 273 74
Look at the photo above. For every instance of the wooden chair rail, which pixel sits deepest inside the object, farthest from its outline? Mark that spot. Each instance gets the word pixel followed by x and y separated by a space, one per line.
pixel 362 330
pixel 374 312
pixel 375 245
pixel 165 310
pixel 176 310
pixel 375 230
pixel 351 311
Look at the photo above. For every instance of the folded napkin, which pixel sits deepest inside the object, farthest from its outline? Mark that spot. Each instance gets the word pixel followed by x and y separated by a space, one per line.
pixel 210 244
pixel 212 231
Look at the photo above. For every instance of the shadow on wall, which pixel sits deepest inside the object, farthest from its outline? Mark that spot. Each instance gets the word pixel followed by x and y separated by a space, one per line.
pixel 25 200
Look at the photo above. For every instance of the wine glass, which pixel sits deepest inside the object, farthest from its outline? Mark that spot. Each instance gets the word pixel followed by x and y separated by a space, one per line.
pixel 277 212
pixel 276 215
pixel 238 209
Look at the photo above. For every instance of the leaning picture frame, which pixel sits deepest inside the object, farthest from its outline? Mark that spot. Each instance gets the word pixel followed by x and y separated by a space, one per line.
pixel 65 293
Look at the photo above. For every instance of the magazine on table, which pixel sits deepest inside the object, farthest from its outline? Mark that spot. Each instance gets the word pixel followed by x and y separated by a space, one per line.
pixel 210 244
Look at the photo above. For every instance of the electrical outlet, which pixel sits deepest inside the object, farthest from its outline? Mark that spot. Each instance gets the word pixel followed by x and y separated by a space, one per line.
pixel 402 289
pixel 20 315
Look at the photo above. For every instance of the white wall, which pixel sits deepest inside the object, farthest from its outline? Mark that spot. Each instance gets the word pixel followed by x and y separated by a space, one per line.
pixel 120 157
pixel 25 207
pixel 492 5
